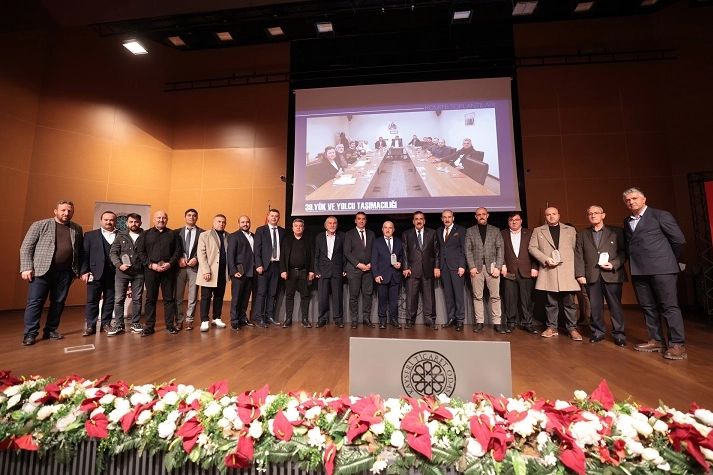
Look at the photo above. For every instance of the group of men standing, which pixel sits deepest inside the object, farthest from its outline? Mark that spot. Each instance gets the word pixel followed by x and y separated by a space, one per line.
pixel 552 258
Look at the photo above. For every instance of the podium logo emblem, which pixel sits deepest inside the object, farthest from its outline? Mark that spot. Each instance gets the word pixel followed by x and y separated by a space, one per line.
pixel 428 373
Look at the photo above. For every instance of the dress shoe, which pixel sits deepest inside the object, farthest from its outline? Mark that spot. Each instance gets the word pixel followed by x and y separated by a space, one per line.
pixel 478 327
pixel 287 323
pixel 675 352
pixel 321 323
pixel 575 335
pixel 459 326
pixel 261 324
pixel 179 326
pixel 596 339
pixel 529 329
pixel 433 326
pixel 340 324
pixel 368 323
pixel 500 328
pixel 355 324
pixel 306 323
pixel 89 332
pixel 218 323
pixel 247 324
pixel 510 327
pixel 171 329
pixel 451 323
pixel 549 333
pixel 620 342
pixel 55 335
pixel 28 340
pixel 409 324
pixel 235 327
pixel 147 331
pixel 272 321
pixel 189 326
pixel 652 346
pixel 395 323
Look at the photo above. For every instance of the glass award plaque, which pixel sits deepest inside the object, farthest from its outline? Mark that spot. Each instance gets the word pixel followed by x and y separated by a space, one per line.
pixel 556 256
pixel 126 260
pixel 603 258
pixel 492 267
pixel 394 260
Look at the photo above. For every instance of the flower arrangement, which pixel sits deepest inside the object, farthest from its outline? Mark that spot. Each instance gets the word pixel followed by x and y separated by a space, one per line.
pixel 345 435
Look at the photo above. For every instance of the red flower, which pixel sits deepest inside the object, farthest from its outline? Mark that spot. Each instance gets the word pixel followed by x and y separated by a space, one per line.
pixel 90 404
pixel 603 395
pixel 686 436
pixel 244 452
pixel 417 435
pixel 573 458
pixel 282 427
pixel 330 453
pixel 219 389
pixel 97 426
pixel 24 442
pixel 166 388
pixel 189 431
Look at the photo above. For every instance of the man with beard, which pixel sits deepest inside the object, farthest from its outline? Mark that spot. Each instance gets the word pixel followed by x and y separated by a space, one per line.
pixel 213 272
pixel 129 271
pixel 241 268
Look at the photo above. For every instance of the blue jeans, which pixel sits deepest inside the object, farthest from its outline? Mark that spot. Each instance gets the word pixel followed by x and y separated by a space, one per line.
pixel 55 284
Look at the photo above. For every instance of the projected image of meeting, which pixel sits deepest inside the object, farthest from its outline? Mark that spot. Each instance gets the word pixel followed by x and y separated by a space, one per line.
pixel 404 147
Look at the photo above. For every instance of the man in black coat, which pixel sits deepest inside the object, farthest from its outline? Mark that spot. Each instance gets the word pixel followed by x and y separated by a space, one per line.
pixel 451 240
pixel 357 253
pixel 387 262
pixel 98 272
pixel 241 269
pixel 421 266
pixel 329 269
pixel 296 269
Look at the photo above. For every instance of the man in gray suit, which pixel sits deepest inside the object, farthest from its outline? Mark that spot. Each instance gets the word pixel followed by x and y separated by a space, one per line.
pixel 599 259
pixel 357 253
pixel 50 259
pixel 553 246
pixel 484 250
pixel 654 242
pixel 188 270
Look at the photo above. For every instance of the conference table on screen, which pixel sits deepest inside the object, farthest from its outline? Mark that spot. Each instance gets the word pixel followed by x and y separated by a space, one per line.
pixel 390 174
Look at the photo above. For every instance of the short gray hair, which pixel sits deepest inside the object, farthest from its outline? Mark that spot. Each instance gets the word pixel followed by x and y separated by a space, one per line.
pixel 633 189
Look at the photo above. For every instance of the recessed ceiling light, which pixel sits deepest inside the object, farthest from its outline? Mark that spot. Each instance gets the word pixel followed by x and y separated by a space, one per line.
pixel 325 27
pixel 275 31
pixel 648 3
pixel 524 8
pixel 135 47
pixel 463 15
pixel 176 41
pixel 224 36
pixel 583 7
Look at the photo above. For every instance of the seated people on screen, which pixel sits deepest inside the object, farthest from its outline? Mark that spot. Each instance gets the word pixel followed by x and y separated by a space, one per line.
pixel 433 144
pixel 397 142
pixel 352 153
pixel 363 147
pixel 326 169
pixel 341 157
pixel 458 158
pixel 380 143
pixel 440 150
pixel 343 139
pixel 415 142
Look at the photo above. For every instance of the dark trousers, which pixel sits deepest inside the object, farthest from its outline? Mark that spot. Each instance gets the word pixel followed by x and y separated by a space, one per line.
pixel 453 294
pixel 97 289
pixel 388 300
pixel 554 300
pixel 217 294
pixel 267 292
pixel 659 291
pixel 518 300
pixel 326 288
pixel 297 281
pixel 364 283
pixel 121 284
pixel 239 297
pixel 166 281
pixel 54 284
pixel 424 284
pixel 611 292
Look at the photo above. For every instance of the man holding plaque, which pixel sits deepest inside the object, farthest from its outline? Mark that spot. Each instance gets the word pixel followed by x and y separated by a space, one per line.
pixel 599 259
pixel 553 246
pixel 484 249
pixel 129 271
pixel 387 260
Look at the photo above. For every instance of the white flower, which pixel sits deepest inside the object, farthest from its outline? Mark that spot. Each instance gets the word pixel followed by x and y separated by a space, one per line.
pixel 443 399
pixel 525 427
pixel 122 403
pixel 107 399
pixel 269 399
pixel 378 429
pixel 213 409
pixel 193 396
pixel 184 390
pixel 13 390
pixel 708 454
pixel 14 400
pixel 98 410
pixel 432 427
pixel 144 417
pixel 329 417
pixel 397 439
pixel 145 389
pixel 238 423
pixel 541 440
pixel 255 430
pixel 225 400
pixel 315 438
pixel 67 392
pixel 166 429
pixel 705 416
pixel 34 397
pixel 474 448
pixel 549 460
pixel 173 416
pixel 117 414
pixel 660 426
pixel 313 413
pixel 230 413
pixel 45 412
pixel 585 433
pixel 170 398
pixel 394 418
pixel 292 414
pixel 378 466
pixel 635 447
pixel 664 467
pixel 643 427
pixel 580 395
pixel 160 406
pixel 94 392
pixel 560 405
pixel 650 453
pixel 224 423
pixel 202 439
pixel 3 398
pixel 66 421
pixel 140 398
pixel 29 407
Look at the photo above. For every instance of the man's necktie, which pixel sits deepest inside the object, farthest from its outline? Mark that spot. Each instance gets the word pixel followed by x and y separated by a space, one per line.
pixel 363 241
pixel 448 233
pixel 188 242
pixel 388 242
pixel 420 241
pixel 274 243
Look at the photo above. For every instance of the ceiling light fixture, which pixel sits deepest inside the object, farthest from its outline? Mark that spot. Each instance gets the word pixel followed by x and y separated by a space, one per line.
pixel 648 3
pixel 275 31
pixel 462 16
pixel 134 46
pixel 583 7
pixel 524 8
pixel 224 36
pixel 324 27
pixel 176 41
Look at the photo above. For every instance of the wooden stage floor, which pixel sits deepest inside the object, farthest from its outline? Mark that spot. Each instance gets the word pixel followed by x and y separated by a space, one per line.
pixel 315 359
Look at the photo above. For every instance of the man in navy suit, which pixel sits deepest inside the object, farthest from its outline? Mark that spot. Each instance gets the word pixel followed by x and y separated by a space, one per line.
pixel 387 260
pixel 98 272
pixel 654 242
pixel 421 266
pixel 268 239
pixel 451 239
pixel 241 267
pixel 188 270
pixel 357 252
pixel 329 269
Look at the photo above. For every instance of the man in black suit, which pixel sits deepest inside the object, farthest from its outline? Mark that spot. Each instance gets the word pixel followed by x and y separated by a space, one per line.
pixel 421 266
pixel 357 252
pixel 129 271
pixel 599 259
pixel 397 142
pixel 98 272
pixel 296 269
pixel 654 242
pixel 519 272
pixel 241 268
pixel 329 269
pixel 268 239
pixel 387 260
pixel 451 240
pixel 380 143
pixel 188 270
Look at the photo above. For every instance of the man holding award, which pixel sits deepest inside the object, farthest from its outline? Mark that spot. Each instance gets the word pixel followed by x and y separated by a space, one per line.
pixel 552 245
pixel 130 271
pixel 599 265
pixel 387 260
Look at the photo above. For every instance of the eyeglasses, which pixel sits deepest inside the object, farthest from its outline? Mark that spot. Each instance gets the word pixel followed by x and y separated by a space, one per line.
pixel 594 213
